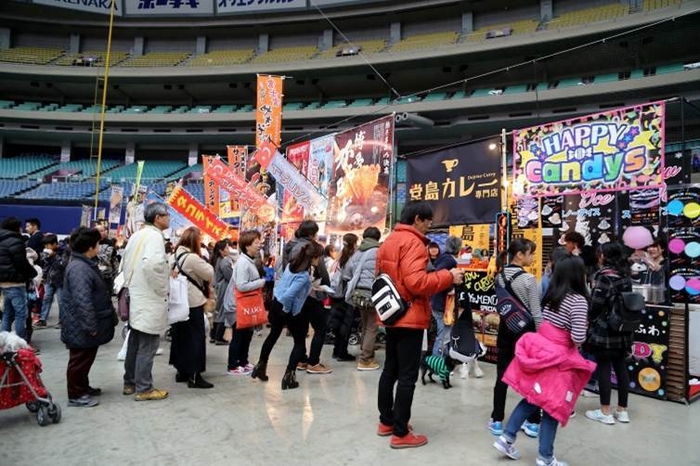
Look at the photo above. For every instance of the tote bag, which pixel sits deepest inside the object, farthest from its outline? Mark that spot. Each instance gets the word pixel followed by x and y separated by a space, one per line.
pixel 250 308
pixel 178 304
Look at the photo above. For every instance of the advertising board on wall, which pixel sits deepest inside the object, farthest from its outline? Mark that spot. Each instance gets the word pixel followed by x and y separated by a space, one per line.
pixel 168 7
pixel 90 6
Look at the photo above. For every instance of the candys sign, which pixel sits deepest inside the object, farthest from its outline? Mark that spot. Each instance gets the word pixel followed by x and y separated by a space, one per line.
pixel 610 151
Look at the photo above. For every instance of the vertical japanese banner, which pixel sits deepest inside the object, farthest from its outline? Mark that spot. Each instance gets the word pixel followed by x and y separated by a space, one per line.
pixel 358 195
pixel 211 189
pixel 139 172
pixel 237 156
pixel 116 199
pixel 320 172
pixel 292 212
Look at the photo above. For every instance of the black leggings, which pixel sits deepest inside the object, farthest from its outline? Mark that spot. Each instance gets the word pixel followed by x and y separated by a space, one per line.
pixel 297 325
pixel 605 365
pixel 500 389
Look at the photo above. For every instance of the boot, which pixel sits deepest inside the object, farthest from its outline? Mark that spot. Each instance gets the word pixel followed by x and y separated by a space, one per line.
pixel 198 382
pixel 260 371
pixel 289 380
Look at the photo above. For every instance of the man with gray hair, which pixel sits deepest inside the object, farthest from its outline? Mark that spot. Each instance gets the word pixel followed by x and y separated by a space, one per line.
pixel 447 261
pixel 146 274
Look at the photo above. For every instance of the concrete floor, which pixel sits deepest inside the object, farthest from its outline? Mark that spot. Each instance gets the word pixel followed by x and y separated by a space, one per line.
pixel 329 420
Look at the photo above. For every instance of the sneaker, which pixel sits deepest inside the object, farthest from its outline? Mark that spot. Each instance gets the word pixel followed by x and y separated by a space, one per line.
pixel 58 325
pixel 94 391
pixel 622 416
pixel 249 367
pixel 572 415
pixel 159 351
pixel 477 373
pixel 84 401
pixel 129 389
pixel 384 430
pixel 368 365
pixel 221 343
pixel 302 366
pixel 501 444
pixel 589 394
pixel 597 415
pixel 319 368
pixel 240 370
pixel 531 429
pixel 151 395
pixel 496 427
pixel 40 324
pixel 408 441
pixel 552 462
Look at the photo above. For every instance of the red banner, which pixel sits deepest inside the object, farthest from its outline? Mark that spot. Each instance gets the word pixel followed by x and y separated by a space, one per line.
pixel 268 115
pixel 196 213
pixel 211 190
pixel 237 156
pixel 235 185
pixel 292 212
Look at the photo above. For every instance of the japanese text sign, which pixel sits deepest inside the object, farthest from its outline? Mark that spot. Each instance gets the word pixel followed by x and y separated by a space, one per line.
pixel 196 213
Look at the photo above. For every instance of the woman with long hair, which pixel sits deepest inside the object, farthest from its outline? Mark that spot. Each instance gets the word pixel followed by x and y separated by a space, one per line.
pixel 342 314
pixel 247 276
pixel 222 261
pixel 548 370
pixel 609 347
pixel 188 350
pixel 290 293
pixel 521 253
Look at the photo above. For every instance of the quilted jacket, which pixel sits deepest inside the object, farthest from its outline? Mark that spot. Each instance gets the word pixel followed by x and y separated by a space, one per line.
pixel 14 266
pixel 549 371
pixel 86 305
pixel 404 257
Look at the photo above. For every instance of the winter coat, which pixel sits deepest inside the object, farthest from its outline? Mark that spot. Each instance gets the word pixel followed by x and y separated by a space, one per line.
pixel 54 266
pixel 404 257
pixel 602 341
pixel 292 290
pixel 15 269
pixel 292 249
pixel 222 277
pixel 368 248
pixel 198 270
pixel 86 305
pixel 35 242
pixel 444 261
pixel 149 286
pixel 246 277
pixel 548 371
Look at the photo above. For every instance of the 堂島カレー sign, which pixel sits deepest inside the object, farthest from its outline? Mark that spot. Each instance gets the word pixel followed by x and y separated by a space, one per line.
pixel 610 151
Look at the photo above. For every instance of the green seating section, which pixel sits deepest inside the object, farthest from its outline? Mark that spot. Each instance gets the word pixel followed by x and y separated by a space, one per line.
pixel 22 166
pixel 86 168
pixel 153 170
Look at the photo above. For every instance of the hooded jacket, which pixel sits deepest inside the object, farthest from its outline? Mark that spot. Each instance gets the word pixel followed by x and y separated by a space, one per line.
pixel 548 371
pixel 15 269
pixel 367 255
pixel 404 257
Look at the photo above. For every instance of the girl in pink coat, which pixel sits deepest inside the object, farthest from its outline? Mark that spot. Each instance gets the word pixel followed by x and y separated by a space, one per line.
pixel 548 370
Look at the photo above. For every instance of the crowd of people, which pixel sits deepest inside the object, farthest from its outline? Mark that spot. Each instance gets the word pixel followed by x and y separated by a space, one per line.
pixel 548 360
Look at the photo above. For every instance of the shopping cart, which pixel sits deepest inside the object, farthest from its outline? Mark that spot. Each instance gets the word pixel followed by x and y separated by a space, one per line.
pixel 20 383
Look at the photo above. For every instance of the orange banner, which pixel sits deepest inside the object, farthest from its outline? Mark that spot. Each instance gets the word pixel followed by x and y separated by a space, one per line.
pixel 237 156
pixel 268 115
pixel 196 213
pixel 211 189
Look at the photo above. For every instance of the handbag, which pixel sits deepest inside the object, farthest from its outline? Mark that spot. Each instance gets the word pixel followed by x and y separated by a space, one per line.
pixel 121 286
pixel 250 308
pixel 448 317
pixel 362 299
pixel 178 303
pixel 205 289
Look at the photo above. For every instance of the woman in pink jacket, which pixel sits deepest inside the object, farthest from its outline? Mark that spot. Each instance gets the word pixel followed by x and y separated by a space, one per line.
pixel 548 370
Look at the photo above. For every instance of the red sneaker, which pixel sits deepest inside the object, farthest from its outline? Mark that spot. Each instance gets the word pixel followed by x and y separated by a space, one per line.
pixel 384 430
pixel 409 441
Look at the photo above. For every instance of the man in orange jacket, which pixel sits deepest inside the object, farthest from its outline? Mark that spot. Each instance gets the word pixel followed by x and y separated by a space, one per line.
pixel 404 257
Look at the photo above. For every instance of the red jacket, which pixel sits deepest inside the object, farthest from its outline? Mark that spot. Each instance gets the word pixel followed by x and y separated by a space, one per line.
pixel 404 257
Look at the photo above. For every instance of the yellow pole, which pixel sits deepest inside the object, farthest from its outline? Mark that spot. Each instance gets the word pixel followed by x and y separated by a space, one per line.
pixel 104 103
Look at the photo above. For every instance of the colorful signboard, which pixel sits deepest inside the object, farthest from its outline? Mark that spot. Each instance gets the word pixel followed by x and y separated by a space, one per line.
pixel 212 197
pixel 196 213
pixel 320 172
pixel 237 157
pixel 292 211
pixel 358 195
pixel 462 184
pixel 268 113
pixel 610 151
pixel 236 186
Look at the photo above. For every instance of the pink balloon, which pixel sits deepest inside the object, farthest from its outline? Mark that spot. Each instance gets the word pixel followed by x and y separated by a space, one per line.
pixel 693 284
pixel 676 246
pixel 637 237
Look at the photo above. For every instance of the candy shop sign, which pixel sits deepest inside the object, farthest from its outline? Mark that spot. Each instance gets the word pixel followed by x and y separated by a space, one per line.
pixel 610 151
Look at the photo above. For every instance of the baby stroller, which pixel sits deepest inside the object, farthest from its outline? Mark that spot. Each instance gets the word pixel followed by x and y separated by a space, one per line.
pixel 20 383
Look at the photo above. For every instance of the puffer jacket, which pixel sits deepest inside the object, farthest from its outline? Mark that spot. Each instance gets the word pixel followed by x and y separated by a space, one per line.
pixel 404 257
pixel 369 265
pixel 86 305
pixel 198 270
pixel 149 286
pixel 548 371
pixel 14 266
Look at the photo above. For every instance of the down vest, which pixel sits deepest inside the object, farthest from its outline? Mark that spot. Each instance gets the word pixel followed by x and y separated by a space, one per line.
pixel 86 306
pixel 404 257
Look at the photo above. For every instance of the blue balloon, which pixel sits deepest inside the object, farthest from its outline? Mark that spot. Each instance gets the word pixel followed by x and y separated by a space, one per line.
pixel 675 207
pixel 692 249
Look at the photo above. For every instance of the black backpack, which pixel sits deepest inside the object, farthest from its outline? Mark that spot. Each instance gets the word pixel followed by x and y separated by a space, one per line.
pixel 625 315
pixel 513 312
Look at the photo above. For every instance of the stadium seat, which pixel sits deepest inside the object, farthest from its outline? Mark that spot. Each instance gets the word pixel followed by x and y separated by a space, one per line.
pixel 225 109
pixel 425 41
pixel 674 68
pixel 588 15
pixel 286 54
pixel 91 58
pixel 360 103
pixel 655 4
pixel 157 59
pixel 222 58
pixel 366 47
pixel 30 55
pixel 24 165
pixel 606 78
pixel 514 28
pixel 435 96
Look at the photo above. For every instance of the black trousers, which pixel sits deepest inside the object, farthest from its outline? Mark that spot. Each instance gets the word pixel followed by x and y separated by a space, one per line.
pixel 238 347
pixel 297 325
pixel 500 389
pixel 188 351
pixel 340 323
pixel 605 367
pixel 315 314
pixel 403 349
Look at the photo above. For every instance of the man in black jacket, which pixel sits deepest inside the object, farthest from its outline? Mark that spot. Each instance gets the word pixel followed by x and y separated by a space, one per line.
pixel 15 271
pixel 33 227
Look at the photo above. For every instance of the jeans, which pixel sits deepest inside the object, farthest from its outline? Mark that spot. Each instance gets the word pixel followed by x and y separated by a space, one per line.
pixel 15 310
pixel 605 366
pixel 49 292
pixel 548 428
pixel 314 313
pixel 138 365
pixel 79 365
pixel 297 325
pixel 443 335
pixel 403 348
pixel 238 347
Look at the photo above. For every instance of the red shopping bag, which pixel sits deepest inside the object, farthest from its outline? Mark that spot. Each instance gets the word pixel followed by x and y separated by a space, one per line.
pixel 250 308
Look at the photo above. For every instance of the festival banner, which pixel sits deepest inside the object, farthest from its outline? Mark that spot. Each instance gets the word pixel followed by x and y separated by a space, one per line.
pixel 139 172
pixel 177 222
pixel 237 157
pixel 248 197
pixel 610 151
pixel 116 199
pixel 211 189
pixel 358 195
pixel 268 114
pixel 292 212
pixel 288 176
pixel 320 171
pixel 462 184
pixel 198 214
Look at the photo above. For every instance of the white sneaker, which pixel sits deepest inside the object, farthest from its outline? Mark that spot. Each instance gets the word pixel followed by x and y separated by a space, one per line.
pixel 159 351
pixel 622 416
pixel 597 415
pixel 589 394
pixel 475 371
pixel 122 355
pixel 552 462
pixel 463 371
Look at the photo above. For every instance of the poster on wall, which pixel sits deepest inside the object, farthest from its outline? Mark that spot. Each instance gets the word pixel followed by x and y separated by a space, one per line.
pixel 649 361
pixel 590 214
pixel 292 211
pixel 320 171
pixel 481 289
pixel 683 221
pixel 358 195
pixel 528 212
pixel 609 151
pixel 552 207
pixel 461 184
